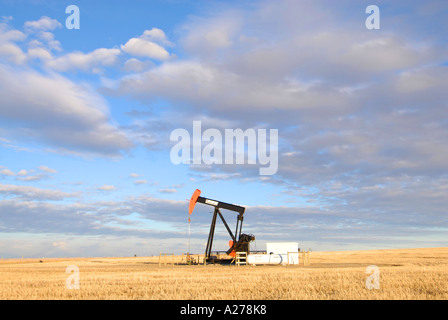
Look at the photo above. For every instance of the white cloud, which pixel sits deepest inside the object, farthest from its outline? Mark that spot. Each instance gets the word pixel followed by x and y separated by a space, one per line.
pixel 7 172
pixel 85 61
pixel 43 24
pixel 379 54
pixel 206 36
pixel 145 48
pixel 156 35
pixel 39 53
pixel 135 65
pixel 167 190
pixel 7 34
pixel 47 170
pixel 58 112
pixel 34 193
pixel 12 53
pixel 22 172
pixel 149 45
pixel 36 177
pixel 28 175
pixel 48 38
pixel 107 188
pixel 227 91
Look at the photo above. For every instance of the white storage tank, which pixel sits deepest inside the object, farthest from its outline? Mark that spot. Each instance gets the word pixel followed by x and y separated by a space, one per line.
pixel 277 253
pixel 264 258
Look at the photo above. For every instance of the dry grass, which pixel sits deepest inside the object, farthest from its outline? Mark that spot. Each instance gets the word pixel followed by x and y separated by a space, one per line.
pixel 404 274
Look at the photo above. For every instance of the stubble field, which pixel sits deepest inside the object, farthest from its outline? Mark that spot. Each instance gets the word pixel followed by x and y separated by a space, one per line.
pixel 407 274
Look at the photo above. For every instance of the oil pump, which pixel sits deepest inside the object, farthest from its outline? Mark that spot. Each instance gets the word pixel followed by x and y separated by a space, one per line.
pixel 239 241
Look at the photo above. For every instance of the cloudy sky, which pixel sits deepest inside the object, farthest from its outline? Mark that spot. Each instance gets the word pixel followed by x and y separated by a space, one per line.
pixel 86 117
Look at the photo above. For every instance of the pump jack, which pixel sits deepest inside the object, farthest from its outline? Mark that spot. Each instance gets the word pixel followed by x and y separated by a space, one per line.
pixel 239 242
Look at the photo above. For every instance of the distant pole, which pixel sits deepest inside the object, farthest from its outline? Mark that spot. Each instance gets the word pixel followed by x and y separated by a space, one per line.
pixel 188 236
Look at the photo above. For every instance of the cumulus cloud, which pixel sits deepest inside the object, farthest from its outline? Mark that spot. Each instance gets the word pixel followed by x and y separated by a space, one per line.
pixel 144 48
pixel 9 50
pixel 43 24
pixel 12 53
pixel 85 61
pixel 135 65
pixel 70 117
pixel 39 53
pixel 9 34
pixel 148 45
pixel 59 112
pixel 157 35
pixel 44 40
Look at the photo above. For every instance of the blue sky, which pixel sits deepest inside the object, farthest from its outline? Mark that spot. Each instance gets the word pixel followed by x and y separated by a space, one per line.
pixel 86 116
